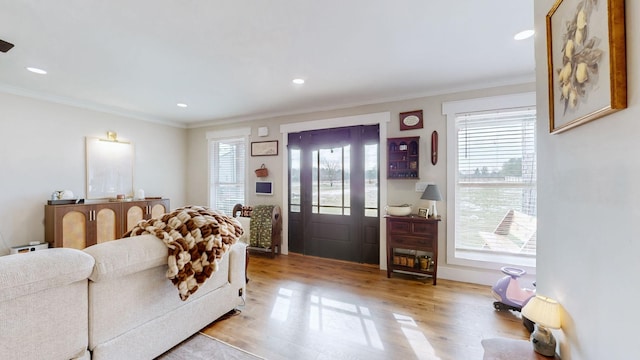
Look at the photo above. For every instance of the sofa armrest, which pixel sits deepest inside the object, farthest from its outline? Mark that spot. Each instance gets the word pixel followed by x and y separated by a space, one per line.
pixel 28 273
pixel 245 222
pixel 126 256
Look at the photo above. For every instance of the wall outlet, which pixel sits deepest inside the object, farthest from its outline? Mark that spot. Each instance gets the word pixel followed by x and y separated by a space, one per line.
pixel 420 186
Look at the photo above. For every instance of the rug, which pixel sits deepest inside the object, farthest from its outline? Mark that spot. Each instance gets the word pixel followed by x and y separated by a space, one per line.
pixel 510 349
pixel 203 347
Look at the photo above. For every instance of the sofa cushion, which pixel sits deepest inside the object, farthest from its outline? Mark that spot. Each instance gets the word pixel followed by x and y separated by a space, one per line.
pixel 148 252
pixel 28 273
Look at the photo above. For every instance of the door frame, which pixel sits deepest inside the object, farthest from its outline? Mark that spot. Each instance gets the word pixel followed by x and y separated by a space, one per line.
pixel 381 118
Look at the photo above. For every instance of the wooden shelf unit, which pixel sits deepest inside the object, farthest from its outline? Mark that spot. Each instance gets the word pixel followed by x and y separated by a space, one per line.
pixel 403 158
pixel 413 233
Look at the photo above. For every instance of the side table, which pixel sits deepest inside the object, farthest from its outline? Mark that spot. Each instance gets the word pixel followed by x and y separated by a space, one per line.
pixel 413 233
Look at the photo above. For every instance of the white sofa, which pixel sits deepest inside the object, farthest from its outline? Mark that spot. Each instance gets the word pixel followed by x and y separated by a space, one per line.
pixel 127 309
pixel 44 304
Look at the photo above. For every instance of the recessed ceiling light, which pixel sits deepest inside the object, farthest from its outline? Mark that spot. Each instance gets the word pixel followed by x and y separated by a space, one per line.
pixel 524 34
pixel 182 105
pixel 36 70
pixel 298 81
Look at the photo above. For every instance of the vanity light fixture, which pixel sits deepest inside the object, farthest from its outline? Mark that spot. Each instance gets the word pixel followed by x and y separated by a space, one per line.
pixel 36 70
pixel 298 81
pixel 112 136
pixel 522 35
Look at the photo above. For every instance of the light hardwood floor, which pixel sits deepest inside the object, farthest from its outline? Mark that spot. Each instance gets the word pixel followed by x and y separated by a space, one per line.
pixel 301 307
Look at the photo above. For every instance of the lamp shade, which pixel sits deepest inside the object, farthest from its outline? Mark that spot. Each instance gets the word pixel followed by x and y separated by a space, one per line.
pixel 431 193
pixel 543 311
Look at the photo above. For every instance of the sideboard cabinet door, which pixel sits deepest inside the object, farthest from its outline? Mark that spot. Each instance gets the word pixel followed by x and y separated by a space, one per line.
pixel 81 225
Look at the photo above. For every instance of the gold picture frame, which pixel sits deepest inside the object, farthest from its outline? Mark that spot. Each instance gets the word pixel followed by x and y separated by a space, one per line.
pixel 586 60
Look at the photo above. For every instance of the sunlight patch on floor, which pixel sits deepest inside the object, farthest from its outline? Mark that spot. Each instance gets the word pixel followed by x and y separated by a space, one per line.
pixel 419 343
pixel 281 308
pixel 344 320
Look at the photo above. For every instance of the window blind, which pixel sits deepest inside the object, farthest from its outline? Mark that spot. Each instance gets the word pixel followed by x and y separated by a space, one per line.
pixel 227 167
pixel 495 179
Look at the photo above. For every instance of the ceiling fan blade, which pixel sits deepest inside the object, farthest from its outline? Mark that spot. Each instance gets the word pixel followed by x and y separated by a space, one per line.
pixel 5 46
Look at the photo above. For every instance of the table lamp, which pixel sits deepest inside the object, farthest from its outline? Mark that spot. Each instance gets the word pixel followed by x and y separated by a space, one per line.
pixel 545 313
pixel 432 193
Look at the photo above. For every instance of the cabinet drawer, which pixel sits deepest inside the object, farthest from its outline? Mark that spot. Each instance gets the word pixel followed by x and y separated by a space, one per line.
pixel 411 241
pixel 423 228
pixel 399 227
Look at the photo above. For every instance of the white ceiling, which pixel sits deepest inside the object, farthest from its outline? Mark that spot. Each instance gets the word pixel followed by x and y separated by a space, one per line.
pixel 234 60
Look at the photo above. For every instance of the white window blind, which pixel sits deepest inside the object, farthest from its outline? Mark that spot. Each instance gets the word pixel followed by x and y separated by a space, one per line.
pixel 495 182
pixel 227 173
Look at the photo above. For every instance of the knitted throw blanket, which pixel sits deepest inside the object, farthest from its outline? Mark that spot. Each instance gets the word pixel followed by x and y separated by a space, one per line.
pixel 261 226
pixel 197 238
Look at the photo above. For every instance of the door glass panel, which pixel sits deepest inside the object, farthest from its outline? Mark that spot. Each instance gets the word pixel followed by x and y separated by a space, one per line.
pixel 346 170
pixel 371 180
pixel 333 184
pixel 314 182
pixel 294 186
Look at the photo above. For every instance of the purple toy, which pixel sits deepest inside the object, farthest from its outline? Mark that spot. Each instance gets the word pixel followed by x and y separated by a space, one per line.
pixel 510 295
pixel 508 292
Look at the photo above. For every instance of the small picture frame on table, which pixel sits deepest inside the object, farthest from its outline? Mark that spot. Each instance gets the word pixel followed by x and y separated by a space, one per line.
pixel 423 212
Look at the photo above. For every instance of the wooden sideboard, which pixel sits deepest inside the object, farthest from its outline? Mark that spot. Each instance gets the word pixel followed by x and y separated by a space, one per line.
pixel 81 225
pixel 418 236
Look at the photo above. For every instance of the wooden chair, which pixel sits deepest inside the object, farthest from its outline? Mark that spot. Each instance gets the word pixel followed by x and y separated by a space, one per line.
pixel 516 233
pixel 276 229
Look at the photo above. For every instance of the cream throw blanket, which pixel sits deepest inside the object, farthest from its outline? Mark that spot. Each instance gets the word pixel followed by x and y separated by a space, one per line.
pixel 197 238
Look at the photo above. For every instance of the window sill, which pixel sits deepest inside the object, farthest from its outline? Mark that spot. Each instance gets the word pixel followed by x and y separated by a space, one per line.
pixel 486 260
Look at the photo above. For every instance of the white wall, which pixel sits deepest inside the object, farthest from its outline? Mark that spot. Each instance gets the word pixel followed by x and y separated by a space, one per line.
pixel 398 191
pixel 589 215
pixel 42 149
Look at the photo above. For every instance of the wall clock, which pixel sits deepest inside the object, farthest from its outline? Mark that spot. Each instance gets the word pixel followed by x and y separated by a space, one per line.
pixel 411 120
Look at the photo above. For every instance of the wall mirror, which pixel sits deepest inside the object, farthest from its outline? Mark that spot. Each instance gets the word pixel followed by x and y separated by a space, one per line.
pixel 109 168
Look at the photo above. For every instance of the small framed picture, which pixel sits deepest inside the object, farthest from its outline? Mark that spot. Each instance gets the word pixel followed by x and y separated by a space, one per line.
pixel 264 148
pixel 422 212
pixel 411 120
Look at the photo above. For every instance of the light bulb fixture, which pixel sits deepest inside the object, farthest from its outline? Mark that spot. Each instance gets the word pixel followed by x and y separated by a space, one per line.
pixel 298 81
pixel 545 313
pixel 182 105
pixel 525 34
pixel 37 71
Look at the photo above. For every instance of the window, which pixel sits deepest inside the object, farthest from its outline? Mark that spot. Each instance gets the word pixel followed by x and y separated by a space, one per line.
pixel 227 171
pixel 492 181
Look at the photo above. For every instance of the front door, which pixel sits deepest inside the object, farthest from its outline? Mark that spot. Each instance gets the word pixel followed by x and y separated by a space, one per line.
pixel 333 193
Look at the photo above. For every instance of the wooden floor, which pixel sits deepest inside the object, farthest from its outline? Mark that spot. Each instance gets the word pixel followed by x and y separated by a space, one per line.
pixel 301 307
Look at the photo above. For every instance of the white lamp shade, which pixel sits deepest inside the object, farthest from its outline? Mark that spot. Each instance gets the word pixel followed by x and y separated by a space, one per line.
pixel 543 311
